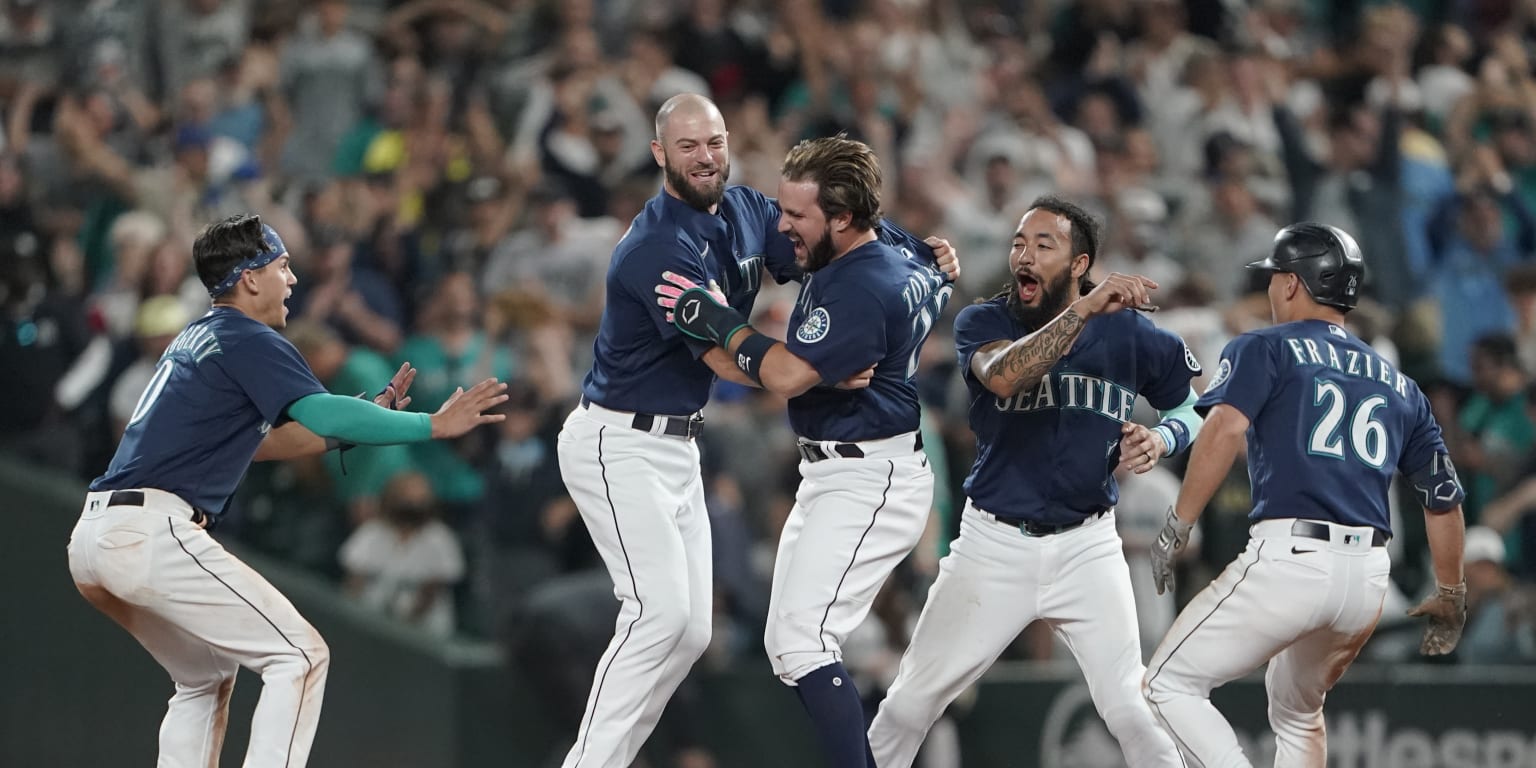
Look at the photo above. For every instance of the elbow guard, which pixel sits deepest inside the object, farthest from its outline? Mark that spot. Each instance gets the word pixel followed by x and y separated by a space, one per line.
pixel 1439 488
pixel 1180 425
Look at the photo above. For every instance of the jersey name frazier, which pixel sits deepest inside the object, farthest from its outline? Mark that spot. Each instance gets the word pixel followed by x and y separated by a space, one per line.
pixel 1073 390
pixel 1350 362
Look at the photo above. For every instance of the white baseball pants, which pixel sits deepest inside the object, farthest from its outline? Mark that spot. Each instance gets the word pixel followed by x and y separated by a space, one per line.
pixel 1304 605
pixel 992 584
pixel 853 521
pixel 642 499
pixel 202 614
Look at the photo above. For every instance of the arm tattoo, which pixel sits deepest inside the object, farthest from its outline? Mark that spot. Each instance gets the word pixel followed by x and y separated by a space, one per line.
pixel 1023 362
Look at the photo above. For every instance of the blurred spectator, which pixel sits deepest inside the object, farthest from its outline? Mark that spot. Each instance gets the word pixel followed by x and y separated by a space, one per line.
pixel 359 475
pixel 356 301
pixel 329 77
pixel 195 37
pixel 1500 628
pixel 561 256
pixel 1493 433
pixel 29 45
pixel 451 348
pixel 1357 187
pixel 41 335
pixel 1443 80
pixel 405 562
pixel 1236 231
pixel 159 320
pixel 1472 253
pixel 1520 284
pixel 531 529
pixel 493 212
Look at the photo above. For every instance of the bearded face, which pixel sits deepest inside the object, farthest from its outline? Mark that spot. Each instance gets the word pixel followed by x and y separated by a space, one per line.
pixel 1033 302
pixel 698 180
pixel 813 256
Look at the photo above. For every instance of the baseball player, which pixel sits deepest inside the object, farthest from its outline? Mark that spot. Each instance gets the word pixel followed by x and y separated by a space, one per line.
pixel 866 487
pixel 1052 381
pixel 227 390
pixel 1328 421
pixel 627 451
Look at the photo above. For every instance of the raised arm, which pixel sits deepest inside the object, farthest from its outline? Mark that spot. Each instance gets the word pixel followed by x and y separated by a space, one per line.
pixel 1007 367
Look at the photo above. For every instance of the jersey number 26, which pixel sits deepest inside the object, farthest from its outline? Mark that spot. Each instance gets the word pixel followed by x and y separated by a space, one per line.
pixel 1367 436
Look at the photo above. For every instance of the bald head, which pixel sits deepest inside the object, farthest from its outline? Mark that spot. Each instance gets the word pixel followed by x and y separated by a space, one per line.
pixel 691 147
pixel 686 107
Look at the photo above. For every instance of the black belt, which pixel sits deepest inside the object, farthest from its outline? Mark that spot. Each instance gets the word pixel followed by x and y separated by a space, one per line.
pixel 136 499
pixel 674 426
pixel 1032 528
pixel 813 452
pixel 1315 530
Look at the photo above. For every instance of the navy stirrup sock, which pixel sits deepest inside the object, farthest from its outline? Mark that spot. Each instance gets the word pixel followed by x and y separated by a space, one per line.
pixel 837 713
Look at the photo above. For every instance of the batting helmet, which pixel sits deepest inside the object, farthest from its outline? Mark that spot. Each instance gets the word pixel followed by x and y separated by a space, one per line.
pixel 1326 259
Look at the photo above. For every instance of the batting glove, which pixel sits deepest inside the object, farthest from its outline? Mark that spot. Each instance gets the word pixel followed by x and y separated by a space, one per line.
pixel 1447 613
pixel 1170 540
pixel 667 293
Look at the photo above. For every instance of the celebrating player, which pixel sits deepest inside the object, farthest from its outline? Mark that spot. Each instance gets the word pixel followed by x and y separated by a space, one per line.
pixel 1052 383
pixel 627 453
pixel 228 390
pixel 1328 421
pixel 866 487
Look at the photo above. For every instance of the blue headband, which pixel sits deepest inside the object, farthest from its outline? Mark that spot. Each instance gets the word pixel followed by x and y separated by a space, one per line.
pixel 261 258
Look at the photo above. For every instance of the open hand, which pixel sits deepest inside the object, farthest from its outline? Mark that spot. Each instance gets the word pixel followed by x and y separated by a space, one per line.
pixel 394 396
pixel 465 410
pixel 667 292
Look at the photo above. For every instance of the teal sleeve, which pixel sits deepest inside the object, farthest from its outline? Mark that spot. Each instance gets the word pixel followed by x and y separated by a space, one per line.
pixel 359 421
pixel 1180 425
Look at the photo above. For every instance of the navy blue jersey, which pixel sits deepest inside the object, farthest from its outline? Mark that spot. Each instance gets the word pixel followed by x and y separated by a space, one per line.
pixel 641 363
pixel 1331 421
pixel 221 385
pixel 874 305
pixel 1048 453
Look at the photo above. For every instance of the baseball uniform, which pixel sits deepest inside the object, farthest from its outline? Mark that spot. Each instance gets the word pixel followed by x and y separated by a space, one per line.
pixel 1330 422
pixel 1037 536
pixel 865 485
pixel 140 554
pixel 628 456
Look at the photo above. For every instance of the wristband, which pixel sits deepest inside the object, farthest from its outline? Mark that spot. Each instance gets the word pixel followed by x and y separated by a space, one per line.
pixel 751 353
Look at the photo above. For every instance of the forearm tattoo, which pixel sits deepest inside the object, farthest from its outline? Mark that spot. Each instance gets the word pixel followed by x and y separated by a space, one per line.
pixel 1026 360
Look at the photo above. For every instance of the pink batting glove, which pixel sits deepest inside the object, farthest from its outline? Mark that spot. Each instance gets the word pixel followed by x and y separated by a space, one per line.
pixel 667 292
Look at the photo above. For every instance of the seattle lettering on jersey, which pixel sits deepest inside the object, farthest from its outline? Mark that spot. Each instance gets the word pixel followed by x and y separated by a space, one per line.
pixel 199 342
pixel 1349 362
pixel 1073 390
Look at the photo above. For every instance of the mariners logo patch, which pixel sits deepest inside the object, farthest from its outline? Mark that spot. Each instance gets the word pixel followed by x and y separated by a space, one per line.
pixel 1189 360
pixel 1222 372
pixel 815 327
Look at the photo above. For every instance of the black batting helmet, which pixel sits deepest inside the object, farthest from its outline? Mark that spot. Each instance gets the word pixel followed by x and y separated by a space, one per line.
pixel 1326 259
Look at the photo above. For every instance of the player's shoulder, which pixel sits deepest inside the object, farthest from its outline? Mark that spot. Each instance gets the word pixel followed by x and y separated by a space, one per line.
pixel 988 313
pixel 997 306
pixel 234 327
pixel 741 195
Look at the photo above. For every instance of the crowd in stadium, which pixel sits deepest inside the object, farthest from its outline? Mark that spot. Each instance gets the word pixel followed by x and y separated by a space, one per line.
pixel 451 176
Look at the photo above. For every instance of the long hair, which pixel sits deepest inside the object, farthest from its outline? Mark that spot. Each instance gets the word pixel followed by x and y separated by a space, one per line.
pixel 846 173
